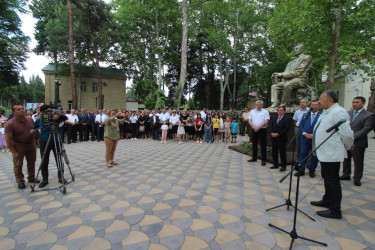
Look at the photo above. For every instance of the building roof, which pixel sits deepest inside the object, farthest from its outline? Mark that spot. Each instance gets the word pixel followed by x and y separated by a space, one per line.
pixel 88 70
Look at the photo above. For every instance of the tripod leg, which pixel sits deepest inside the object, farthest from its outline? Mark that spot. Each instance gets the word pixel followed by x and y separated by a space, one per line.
pixel 318 242
pixel 63 152
pixel 276 207
pixel 41 162
pixel 59 162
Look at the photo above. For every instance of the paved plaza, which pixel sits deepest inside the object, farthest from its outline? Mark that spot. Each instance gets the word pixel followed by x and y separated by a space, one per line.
pixel 170 196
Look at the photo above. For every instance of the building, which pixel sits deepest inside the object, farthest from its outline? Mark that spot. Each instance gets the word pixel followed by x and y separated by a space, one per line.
pixel 349 83
pixel 87 88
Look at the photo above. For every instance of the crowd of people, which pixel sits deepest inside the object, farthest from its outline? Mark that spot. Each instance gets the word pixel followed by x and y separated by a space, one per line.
pixel 158 124
pixel 312 128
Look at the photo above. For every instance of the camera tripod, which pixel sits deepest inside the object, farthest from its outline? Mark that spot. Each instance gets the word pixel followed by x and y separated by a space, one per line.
pixel 54 138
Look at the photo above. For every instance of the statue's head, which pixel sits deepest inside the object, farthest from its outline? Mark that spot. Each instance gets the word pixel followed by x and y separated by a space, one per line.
pixel 298 49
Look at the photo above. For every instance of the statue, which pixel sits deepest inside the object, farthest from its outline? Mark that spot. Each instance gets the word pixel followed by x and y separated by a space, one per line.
pixel 294 79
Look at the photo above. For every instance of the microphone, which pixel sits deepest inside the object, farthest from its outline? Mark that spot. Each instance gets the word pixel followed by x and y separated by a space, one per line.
pixel 307 114
pixel 335 126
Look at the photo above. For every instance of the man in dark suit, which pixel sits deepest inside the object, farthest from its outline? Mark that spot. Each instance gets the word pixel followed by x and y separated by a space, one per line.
pixel 279 130
pixel 83 119
pixel 361 122
pixel 307 127
pixel 92 117
pixel 154 123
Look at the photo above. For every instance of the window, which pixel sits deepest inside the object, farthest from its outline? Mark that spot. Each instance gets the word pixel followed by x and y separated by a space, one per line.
pixel 83 86
pixel 94 87
pixel 70 105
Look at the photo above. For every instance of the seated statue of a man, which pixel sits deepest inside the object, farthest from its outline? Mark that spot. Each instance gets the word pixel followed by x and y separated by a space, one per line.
pixel 294 77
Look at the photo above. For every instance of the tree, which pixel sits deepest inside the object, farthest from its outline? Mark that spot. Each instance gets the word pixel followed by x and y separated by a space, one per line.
pixel 13 43
pixel 338 32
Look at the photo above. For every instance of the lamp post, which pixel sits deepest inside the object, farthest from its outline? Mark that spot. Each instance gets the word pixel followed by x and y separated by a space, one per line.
pixel 57 89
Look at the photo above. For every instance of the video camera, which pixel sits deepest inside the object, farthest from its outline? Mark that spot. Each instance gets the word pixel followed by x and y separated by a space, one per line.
pixel 51 116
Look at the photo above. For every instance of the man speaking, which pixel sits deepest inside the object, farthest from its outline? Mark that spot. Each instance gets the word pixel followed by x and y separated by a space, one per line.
pixel 332 152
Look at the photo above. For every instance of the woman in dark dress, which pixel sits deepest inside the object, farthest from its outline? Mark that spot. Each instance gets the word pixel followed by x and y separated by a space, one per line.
pixel 184 118
pixel 142 125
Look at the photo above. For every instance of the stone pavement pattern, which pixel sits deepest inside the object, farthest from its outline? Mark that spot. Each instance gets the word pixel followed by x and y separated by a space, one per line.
pixel 174 196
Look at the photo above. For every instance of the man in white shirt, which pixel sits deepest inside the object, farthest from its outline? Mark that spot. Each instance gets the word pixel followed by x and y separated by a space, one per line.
pixel 72 125
pixel 203 114
pixel 99 121
pixel 36 115
pixel 331 152
pixel 258 120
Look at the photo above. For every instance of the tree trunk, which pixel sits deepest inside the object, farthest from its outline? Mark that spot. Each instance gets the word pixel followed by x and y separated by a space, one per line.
pixel 371 101
pixel 96 61
pixel 181 82
pixel 235 63
pixel 334 50
pixel 71 57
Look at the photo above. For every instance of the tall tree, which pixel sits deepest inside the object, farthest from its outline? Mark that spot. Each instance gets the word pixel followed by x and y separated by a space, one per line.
pixel 13 43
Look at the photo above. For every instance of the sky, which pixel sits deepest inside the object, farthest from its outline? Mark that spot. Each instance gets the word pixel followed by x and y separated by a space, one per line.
pixel 34 63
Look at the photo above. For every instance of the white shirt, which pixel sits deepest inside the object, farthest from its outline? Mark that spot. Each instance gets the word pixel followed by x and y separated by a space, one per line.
pixel 173 119
pixel 133 119
pixel 101 119
pixel 203 115
pixel 163 117
pixel 164 127
pixel 334 149
pixel 35 116
pixel 259 116
pixel 2 131
pixel 298 115
pixel 72 118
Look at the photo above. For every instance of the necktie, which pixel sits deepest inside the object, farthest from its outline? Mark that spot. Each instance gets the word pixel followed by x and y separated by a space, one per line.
pixel 312 118
pixel 278 120
pixel 101 119
pixel 355 114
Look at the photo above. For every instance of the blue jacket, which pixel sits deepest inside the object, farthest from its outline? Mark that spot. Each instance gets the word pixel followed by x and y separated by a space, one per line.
pixel 92 118
pixel 307 127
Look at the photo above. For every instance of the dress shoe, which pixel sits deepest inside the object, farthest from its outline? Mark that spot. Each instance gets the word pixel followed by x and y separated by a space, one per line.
pixel 282 169
pixel 299 174
pixel 63 180
pixel 69 142
pixel 35 181
pixel 357 183
pixel 329 214
pixel 312 174
pixel 263 163
pixel 274 167
pixel 252 160
pixel 320 203
pixel 344 178
pixel 43 184
pixel 21 185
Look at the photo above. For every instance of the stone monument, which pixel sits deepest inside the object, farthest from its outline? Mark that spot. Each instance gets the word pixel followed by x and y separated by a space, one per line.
pixel 291 85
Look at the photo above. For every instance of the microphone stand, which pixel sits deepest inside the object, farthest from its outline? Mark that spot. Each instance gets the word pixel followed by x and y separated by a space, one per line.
pixel 288 203
pixel 293 234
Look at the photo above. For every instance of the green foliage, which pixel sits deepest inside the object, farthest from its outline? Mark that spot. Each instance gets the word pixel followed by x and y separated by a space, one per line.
pixel 249 146
pixel 25 92
pixel 13 43
pixel 311 23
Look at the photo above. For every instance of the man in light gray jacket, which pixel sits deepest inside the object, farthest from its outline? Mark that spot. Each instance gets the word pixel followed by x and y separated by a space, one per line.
pixel 332 152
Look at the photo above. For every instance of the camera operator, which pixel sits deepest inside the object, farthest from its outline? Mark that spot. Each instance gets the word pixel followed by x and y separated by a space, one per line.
pixel 45 129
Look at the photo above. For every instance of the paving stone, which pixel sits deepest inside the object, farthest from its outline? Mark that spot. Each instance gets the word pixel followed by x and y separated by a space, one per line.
pixel 213 199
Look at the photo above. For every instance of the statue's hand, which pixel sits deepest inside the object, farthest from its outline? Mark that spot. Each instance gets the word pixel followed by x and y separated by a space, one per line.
pixel 274 74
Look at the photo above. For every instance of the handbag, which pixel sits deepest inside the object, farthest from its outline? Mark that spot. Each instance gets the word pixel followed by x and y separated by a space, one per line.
pixel 142 128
